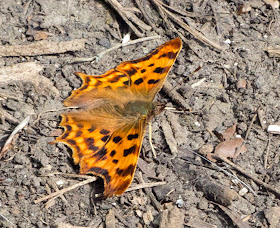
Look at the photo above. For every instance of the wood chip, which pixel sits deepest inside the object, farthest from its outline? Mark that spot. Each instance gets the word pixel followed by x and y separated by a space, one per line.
pixel 172 218
pixel 216 192
pixel 274 129
pixel 235 218
pixel 110 220
pixel 42 48
pixel 273 3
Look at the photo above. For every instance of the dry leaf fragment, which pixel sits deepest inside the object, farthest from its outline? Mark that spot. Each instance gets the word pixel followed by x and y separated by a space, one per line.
pixel 229 132
pixel 230 148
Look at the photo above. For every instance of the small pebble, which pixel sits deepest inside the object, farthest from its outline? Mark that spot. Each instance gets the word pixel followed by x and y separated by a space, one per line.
pixel 241 83
pixel 243 191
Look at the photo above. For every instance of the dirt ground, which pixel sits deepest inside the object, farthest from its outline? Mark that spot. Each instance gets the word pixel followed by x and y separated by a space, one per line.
pixel 239 84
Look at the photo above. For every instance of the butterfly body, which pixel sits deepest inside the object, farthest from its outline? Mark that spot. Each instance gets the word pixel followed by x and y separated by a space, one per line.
pixel 107 131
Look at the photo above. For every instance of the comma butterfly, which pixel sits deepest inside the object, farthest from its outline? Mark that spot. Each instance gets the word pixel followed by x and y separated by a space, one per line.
pixel 106 132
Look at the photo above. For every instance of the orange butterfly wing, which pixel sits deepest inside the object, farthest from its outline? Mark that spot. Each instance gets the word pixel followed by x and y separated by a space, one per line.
pixel 144 76
pixel 106 134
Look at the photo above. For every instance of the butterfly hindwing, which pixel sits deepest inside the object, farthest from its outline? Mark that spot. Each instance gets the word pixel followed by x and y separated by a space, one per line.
pixel 116 161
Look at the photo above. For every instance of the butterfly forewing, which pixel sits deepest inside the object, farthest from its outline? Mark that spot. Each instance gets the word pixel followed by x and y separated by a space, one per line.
pixel 148 73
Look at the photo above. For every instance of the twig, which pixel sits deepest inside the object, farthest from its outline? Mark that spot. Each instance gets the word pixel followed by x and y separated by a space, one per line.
pixel 15 131
pixel 128 16
pixel 224 171
pixel 267 152
pixel 169 25
pixel 57 189
pixel 150 141
pixel 272 52
pixel 145 185
pixel 195 33
pixel 67 175
pixel 216 19
pixel 62 191
pixel 100 55
pixel 25 8
pixel 174 95
pixel 177 11
pixel 238 168
pixel 149 193
pixel 250 126
pixel 2 216
pixel 145 15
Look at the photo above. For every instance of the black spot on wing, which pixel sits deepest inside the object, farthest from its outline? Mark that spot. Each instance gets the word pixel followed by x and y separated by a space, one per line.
pixel 91 129
pixel 72 142
pixel 115 161
pixel 68 127
pixel 87 80
pixel 119 171
pixel 93 148
pixel 100 154
pixel 114 80
pixel 108 87
pixel 84 87
pixel 129 151
pixel 131 72
pixel 89 141
pixel 170 55
pixel 152 81
pixel 105 138
pixel 138 81
pixel 132 136
pixel 104 158
pixel 160 70
pixel 113 152
pixel 79 125
pixel 128 171
pixel 103 172
pixel 104 132
pixel 143 70
pixel 126 82
pixel 65 135
pixel 78 133
pixel 117 139
pixel 151 65
pixel 90 144
pixel 98 83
